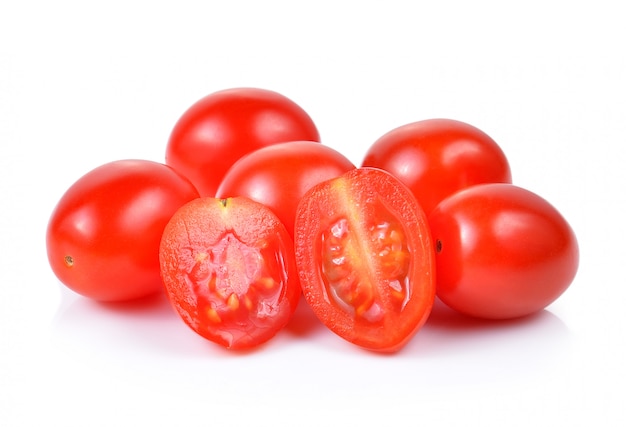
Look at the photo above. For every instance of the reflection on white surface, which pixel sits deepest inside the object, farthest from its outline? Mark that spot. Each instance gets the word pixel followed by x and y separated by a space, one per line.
pixel 143 349
pixel 451 349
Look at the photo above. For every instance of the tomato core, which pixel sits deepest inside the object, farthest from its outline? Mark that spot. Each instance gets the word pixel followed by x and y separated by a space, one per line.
pixel 384 256
pixel 236 281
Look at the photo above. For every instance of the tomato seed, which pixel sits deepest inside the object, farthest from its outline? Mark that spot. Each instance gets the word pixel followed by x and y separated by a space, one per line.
pixel 232 302
pixel 213 315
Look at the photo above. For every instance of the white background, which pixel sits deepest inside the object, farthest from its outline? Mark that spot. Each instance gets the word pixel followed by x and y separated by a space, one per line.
pixel 84 83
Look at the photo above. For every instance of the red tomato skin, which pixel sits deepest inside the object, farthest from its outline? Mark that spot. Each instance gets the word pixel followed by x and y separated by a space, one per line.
pixel 223 126
pixel 365 197
pixel 229 271
pixel 501 251
pixel 103 236
pixel 279 175
pixel 438 157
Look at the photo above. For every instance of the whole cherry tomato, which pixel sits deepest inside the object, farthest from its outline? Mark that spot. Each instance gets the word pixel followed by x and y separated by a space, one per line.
pixel 103 235
pixel 438 157
pixel 223 126
pixel 229 270
pixel 501 251
pixel 279 175
pixel 366 259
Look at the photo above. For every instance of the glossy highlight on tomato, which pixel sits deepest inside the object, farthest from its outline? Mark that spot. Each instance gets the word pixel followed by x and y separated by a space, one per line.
pixel 366 259
pixel 223 126
pixel 279 175
pixel 438 157
pixel 229 271
pixel 103 236
pixel 501 251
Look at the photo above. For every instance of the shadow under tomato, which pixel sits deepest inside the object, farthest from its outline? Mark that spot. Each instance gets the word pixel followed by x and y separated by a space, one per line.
pixel 443 317
pixel 448 332
pixel 146 324
pixel 304 323
pixel 152 305
pixel 151 324
pixel 463 350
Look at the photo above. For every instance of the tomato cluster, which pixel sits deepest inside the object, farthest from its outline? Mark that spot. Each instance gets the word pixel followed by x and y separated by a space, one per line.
pixel 250 211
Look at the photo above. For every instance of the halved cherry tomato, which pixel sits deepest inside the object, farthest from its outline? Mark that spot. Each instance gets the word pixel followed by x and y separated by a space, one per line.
pixel 229 270
pixel 223 126
pixel 103 235
pixel 438 157
pixel 365 258
pixel 279 175
pixel 501 251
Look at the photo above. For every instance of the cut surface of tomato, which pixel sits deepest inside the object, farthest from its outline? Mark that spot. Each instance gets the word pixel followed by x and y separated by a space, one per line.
pixel 365 258
pixel 229 270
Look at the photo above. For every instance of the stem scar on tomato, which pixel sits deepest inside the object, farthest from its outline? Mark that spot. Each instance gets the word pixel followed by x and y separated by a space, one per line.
pixel 69 260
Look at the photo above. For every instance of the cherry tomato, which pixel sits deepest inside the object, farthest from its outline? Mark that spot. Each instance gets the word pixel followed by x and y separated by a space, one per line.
pixel 279 175
pixel 229 270
pixel 438 157
pixel 223 126
pixel 501 251
pixel 103 235
pixel 365 258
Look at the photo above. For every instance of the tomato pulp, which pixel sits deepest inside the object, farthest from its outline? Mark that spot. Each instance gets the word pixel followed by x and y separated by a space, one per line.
pixel 501 251
pixel 103 235
pixel 365 258
pixel 229 270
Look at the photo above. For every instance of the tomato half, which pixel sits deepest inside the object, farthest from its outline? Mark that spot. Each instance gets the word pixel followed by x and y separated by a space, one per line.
pixel 501 251
pixel 438 157
pixel 229 270
pixel 279 175
pixel 223 126
pixel 365 258
pixel 103 235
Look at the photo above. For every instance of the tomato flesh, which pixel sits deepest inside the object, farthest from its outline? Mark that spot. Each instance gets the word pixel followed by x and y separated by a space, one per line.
pixel 384 257
pixel 366 259
pixel 229 270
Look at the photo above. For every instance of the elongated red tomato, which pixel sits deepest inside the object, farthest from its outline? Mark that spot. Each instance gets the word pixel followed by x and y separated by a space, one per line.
pixel 279 175
pixel 438 157
pixel 365 258
pixel 501 251
pixel 229 270
pixel 104 233
pixel 223 126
